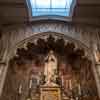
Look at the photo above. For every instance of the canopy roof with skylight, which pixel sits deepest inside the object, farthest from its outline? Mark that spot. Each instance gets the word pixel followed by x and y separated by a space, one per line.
pixel 50 7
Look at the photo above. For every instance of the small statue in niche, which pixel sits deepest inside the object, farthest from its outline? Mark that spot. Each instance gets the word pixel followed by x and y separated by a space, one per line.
pixel 97 53
pixel 97 58
pixel 50 69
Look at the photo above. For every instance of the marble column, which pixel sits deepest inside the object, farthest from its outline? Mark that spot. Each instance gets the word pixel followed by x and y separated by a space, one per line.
pixel 2 74
pixel 97 77
pixel 96 68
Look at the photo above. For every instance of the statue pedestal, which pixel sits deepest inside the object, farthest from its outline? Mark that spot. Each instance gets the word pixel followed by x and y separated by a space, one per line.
pixel 50 93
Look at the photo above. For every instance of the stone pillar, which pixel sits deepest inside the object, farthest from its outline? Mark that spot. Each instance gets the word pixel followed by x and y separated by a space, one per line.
pixel 3 68
pixel 2 74
pixel 96 67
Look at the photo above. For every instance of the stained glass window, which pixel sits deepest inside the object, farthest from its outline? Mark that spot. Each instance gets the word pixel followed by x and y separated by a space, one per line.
pixel 50 7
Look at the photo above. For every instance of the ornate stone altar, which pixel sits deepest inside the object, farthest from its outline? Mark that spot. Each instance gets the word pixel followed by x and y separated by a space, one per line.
pixel 50 93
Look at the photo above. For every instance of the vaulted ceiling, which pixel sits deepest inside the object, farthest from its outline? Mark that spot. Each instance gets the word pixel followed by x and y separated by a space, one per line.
pixel 16 12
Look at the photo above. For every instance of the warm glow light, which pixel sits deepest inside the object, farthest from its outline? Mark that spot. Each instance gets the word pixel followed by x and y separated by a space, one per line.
pixel 50 7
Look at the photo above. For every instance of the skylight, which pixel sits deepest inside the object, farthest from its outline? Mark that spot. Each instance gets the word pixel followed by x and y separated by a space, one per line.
pixel 50 7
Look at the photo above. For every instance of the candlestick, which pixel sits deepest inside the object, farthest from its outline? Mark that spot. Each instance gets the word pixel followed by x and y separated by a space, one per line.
pixel 79 89
pixel 70 84
pixel 62 80
pixel 76 98
pixel 66 84
pixel 1 69
pixel 38 81
pixel 30 84
pixel 20 89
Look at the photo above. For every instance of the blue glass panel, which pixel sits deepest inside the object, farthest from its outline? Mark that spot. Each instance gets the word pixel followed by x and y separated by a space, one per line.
pixel 60 4
pixel 68 3
pixel 32 3
pixel 43 3
pixel 50 7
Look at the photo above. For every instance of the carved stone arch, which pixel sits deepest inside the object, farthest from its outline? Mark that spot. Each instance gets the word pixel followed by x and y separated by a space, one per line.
pixel 44 35
pixel 78 44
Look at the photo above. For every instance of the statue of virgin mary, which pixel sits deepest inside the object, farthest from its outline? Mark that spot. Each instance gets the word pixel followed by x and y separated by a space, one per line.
pixel 50 69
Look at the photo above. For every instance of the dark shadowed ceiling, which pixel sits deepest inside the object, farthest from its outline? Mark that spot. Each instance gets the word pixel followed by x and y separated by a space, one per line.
pixel 16 12
pixel 87 11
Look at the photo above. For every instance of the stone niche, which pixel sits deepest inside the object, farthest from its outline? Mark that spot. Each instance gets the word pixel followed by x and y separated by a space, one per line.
pixel 76 78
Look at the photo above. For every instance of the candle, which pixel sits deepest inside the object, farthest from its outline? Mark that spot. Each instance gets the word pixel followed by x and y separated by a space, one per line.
pixel 70 84
pixel 1 69
pixel 76 98
pixel 38 81
pixel 66 84
pixel 62 80
pixel 79 89
pixel 20 89
pixel 30 84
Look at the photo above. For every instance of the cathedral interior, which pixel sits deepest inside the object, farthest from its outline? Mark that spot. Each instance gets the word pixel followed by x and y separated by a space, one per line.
pixel 49 50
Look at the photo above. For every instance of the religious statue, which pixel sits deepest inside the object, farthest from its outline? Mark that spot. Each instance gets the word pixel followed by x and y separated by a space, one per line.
pixel 97 53
pixel 97 56
pixel 50 69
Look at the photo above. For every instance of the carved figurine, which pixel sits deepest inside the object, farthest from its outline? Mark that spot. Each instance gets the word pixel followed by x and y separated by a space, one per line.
pixel 50 70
